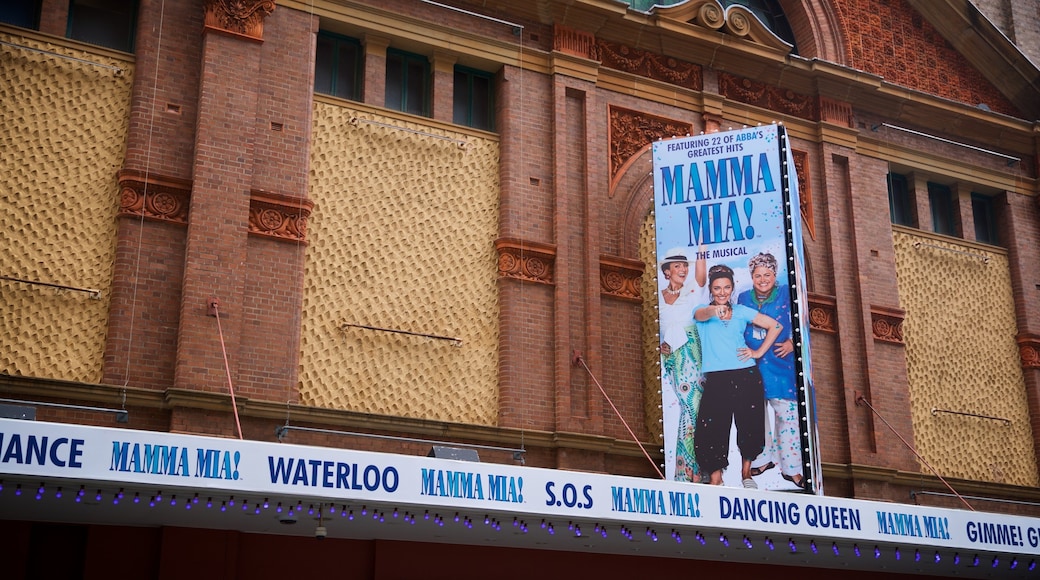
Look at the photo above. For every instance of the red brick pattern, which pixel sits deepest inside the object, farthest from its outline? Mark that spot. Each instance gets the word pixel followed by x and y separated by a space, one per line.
pixel 890 39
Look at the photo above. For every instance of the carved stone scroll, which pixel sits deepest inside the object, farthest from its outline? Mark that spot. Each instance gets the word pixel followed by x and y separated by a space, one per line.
pixel 1029 350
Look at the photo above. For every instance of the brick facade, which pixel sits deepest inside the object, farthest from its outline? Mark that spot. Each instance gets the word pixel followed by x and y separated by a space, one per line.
pixel 223 122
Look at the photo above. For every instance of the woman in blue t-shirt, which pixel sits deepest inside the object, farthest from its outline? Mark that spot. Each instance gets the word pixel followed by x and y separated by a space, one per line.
pixel 733 391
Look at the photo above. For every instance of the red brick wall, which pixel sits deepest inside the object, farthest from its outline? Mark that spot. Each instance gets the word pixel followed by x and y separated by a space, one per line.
pixel 141 347
pixel 164 108
pixel 890 39
pixel 149 261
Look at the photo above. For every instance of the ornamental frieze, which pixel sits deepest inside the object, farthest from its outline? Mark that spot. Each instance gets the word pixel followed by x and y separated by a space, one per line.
pixel 887 324
pixel 650 65
pixel 631 131
pixel 527 261
pixel 823 313
pixel 768 97
pixel 620 278
pixel 279 217
pixel 239 17
pixel 154 197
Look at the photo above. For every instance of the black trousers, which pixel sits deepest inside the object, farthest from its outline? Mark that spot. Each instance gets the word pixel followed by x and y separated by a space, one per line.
pixel 730 396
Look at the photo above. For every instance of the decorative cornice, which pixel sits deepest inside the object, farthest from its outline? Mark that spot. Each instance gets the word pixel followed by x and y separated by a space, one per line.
pixel 620 277
pixel 238 17
pixel 768 97
pixel 650 65
pixel 1029 350
pixel 155 197
pixel 278 216
pixel 801 168
pixel 632 131
pixel 887 323
pixel 823 313
pixel 523 260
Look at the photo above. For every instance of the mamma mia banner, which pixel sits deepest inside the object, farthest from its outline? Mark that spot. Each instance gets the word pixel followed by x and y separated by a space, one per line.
pixel 730 284
pixel 51 454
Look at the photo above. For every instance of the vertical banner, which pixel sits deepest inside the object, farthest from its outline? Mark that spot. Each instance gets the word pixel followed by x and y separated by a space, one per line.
pixel 734 348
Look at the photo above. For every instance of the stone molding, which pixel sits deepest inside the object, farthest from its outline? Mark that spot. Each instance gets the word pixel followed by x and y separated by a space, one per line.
pixel 620 277
pixel 279 217
pixel 526 261
pixel 243 18
pixel 155 197
pixel 886 324
pixel 823 313
pixel 1029 350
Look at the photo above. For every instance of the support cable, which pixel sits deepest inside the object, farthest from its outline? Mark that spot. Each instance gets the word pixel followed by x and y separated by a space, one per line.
pixel 577 358
pixel 861 401
pixel 227 367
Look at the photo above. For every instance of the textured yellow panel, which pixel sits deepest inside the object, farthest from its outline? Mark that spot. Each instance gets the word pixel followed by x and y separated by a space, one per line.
pixel 402 237
pixel 63 137
pixel 651 336
pixel 961 356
